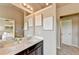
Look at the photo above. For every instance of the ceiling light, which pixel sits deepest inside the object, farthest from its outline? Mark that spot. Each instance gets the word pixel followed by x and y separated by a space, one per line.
pixel 47 3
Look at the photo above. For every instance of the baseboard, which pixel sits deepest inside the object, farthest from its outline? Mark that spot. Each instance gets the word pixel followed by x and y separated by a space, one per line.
pixel 73 45
pixel 69 45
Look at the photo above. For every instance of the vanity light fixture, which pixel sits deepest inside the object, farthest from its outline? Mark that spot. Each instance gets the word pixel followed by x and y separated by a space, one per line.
pixel 27 6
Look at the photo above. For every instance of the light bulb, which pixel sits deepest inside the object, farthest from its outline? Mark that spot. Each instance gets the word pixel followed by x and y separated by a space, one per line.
pixel 24 4
pixel 31 8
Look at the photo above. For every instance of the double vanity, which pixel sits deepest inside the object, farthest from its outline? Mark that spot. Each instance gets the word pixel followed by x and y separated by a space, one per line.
pixel 11 45
pixel 33 46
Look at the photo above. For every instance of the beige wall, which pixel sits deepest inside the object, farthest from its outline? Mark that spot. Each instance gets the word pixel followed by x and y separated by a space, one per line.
pixel 68 9
pixel 75 30
pixel 11 12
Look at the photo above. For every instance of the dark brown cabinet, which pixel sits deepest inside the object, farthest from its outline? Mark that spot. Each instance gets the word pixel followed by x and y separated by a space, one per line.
pixel 36 49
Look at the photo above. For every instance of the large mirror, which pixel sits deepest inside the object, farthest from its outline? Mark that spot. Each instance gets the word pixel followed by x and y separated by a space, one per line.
pixel 7 29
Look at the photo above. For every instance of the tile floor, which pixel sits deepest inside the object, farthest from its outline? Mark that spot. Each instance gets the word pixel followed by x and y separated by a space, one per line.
pixel 67 50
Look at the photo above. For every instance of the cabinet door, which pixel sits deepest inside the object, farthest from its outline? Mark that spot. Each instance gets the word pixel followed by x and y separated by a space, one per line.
pixel 39 51
pixel 32 53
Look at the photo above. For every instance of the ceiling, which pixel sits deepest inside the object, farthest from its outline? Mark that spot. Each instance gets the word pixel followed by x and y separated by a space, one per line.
pixel 38 6
pixel 61 4
pixel 35 6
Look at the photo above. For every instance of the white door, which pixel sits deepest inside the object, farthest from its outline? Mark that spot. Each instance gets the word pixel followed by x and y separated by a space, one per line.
pixel 66 32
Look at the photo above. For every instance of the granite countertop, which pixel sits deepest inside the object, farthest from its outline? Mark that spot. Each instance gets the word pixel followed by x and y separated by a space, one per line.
pixel 15 48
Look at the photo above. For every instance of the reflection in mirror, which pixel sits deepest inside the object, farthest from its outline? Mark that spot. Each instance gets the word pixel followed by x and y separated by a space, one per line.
pixel 7 29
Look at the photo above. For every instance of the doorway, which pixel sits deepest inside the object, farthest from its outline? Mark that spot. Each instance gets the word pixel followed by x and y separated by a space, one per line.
pixel 69 31
pixel 66 31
